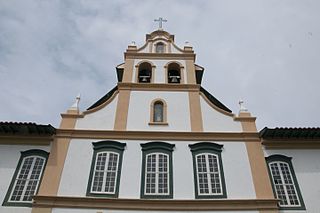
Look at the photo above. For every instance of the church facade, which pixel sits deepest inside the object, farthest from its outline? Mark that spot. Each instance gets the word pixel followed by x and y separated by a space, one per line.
pixel 158 142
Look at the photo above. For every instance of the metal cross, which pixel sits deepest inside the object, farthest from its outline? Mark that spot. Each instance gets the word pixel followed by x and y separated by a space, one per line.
pixel 160 20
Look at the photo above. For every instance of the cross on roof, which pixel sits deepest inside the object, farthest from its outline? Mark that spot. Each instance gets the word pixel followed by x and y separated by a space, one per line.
pixel 160 20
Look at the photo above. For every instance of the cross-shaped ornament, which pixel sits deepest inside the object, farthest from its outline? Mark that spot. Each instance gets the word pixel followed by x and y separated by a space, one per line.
pixel 160 20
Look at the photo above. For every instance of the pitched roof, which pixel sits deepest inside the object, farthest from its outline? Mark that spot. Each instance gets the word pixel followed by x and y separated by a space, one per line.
pixel 290 133
pixel 26 128
pixel 214 101
pixel 211 98
pixel 104 98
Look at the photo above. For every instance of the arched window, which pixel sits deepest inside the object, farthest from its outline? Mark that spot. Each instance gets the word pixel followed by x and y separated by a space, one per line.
pixel 105 169
pixel 284 182
pixel 160 47
pixel 174 74
pixel 156 177
pixel 144 73
pixel 208 170
pixel 158 111
pixel 26 179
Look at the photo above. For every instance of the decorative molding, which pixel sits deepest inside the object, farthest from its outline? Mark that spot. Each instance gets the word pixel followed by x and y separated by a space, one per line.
pixel 72 116
pixel 246 119
pixel 158 87
pixel 291 144
pixel 157 135
pixel 158 123
pixel 146 204
pixel 23 140
pixel 176 56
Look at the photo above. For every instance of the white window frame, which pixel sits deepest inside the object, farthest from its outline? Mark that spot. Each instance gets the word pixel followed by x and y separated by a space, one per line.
pixel 284 184
pixel 161 105
pixel 157 174
pixel 208 174
pixel 105 173
pixel 34 157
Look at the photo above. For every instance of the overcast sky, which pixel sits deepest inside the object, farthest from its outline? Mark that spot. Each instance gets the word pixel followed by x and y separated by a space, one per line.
pixel 266 52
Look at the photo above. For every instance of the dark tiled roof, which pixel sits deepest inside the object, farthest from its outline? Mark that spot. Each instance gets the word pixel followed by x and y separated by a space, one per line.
pixel 214 101
pixel 290 133
pixel 104 98
pixel 25 128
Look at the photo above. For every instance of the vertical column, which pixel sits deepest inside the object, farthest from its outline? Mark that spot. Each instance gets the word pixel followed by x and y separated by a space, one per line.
pixel 53 171
pixel 122 110
pixel 195 112
pixel 258 166
pixel 190 69
pixel 128 70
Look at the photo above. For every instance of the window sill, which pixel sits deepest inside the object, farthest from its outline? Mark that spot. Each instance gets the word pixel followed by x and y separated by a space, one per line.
pixel 17 204
pixel 144 196
pixel 159 123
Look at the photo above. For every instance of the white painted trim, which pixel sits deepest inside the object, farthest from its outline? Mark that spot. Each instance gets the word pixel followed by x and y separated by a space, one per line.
pixel 157 174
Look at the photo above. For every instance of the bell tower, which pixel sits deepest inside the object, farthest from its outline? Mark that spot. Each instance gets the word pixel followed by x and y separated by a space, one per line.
pixel 162 71
pixel 159 61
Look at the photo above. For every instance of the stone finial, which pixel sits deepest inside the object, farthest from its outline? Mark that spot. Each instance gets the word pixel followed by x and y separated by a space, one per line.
pixel 75 106
pixel 242 107
pixel 133 43
pixel 187 44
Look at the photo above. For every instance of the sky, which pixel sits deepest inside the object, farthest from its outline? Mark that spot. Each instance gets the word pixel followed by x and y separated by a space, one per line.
pixel 265 52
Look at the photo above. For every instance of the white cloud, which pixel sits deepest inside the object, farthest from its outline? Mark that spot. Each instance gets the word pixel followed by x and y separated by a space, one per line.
pixel 266 52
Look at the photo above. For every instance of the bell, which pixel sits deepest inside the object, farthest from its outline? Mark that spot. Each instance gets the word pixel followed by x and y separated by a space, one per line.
pixel 174 79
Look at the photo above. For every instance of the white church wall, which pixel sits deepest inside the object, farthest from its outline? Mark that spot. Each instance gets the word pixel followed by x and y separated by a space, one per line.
pixel 130 181
pixel 145 49
pixel 174 49
pixel 102 119
pixel 215 121
pixel 306 165
pixel 67 210
pixel 76 170
pixel 77 167
pixel 236 165
pixel 183 183
pixel 178 113
pixel 9 157
pixel 10 209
